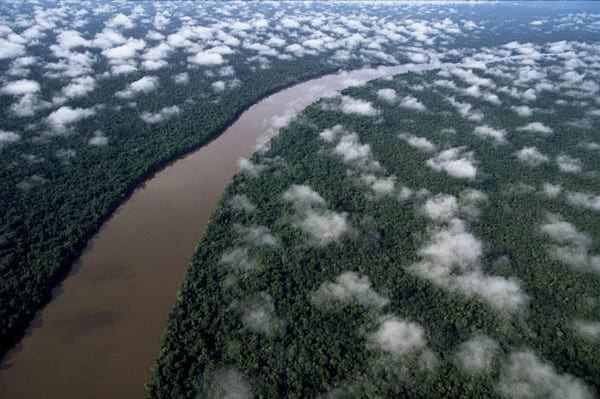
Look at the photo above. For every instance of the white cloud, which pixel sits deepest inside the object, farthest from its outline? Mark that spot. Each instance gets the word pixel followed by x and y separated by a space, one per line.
pixel 452 259
pixel 411 102
pixel 289 23
pixel 498 135
pixel 325 226
pixel 522 110
pixel 329 135
pixel 8 137
pixel 256 235
pixel 588 329
pixel 351 105
pixel 60 119
pixel 303 195
pixel 160 116
pixel 249 167
pixel 441 207
pixel 456 162
pixel 568 164
pixel 218 86
pixel 124 51
pixel 146 84
pixel 476 355
pixel 351 149
pixel 531 156
pixel 466 110
pixel 120 20
pixel 238 258
pixel 585 200
pixel 349 287
pixel 9 49
pixel 182 78
pixel 99 139
pixel 20 87
pixel 399 337
pixel 259 315
pixel 241 202
pixel 552 190
pixel 387 94
pixel 570 245
pixel 379 185
pixel 421 143
pixel 527 376
pixel 207 58
pixel 536 127
pixel 79 87
pixel 227 384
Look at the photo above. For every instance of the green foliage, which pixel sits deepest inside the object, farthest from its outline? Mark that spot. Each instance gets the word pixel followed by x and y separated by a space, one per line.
pixel 321 350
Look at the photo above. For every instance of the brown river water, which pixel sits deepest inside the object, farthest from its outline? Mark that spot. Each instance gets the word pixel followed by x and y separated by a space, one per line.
pixel 100 334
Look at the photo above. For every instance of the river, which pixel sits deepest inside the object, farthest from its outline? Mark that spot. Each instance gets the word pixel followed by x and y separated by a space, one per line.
pixel 100 334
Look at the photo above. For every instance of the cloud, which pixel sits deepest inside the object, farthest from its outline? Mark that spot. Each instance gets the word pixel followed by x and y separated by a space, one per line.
pixel 452 259
pixel 160 116
pixel 256 235
pixel 303 195
pixel 456 162
pixel 531 156
pixel 441 207
pixel 99 139
pixel 330 135
pixel 588 329
pixel 552 190
pixel 522 110
pixel 69 39
pixel 379 185
pixel 9 49
pixel 207 58
pixel 79 87
pixel 411 102
pixel 124 51
pixel 568 164
pixel 498 135
pixel 60 119
pixel 259 315
pixel 249 167
pixel 349 287
pixel 527 376
pixel 218 86
pixel 241 202
pixel 466 110
pixel 8 137
pixel 227 384
pixel 536 127
pixel 325 226
pixel 121 20
pixel 146 84
pixel 570 245
pixel 585 200
pixel 387 94
pixel 20 87
pixel 351 149
pixel 351 105
pixel 238 258
pixel 181 78
pixel 476 355
pixel 289 23
pixel 399 337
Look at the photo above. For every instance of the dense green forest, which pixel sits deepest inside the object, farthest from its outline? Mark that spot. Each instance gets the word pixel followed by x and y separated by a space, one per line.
pixel 402 249
pixel 96 96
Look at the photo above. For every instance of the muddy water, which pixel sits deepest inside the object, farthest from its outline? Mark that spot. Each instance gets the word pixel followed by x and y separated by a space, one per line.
pixel 100 334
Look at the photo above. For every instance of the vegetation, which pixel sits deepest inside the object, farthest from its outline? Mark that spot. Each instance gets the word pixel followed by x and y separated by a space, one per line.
pixel 314 349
